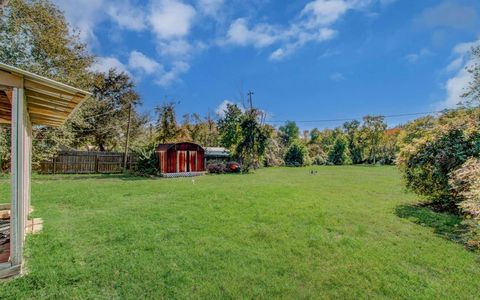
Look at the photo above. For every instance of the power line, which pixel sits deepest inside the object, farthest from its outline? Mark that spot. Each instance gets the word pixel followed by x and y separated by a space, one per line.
pixel 352 119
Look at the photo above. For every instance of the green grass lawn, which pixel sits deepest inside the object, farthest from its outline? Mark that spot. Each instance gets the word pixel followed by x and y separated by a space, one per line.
pixel 348 232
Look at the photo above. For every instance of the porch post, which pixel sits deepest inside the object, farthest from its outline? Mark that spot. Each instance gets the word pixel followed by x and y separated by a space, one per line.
pixel 21 151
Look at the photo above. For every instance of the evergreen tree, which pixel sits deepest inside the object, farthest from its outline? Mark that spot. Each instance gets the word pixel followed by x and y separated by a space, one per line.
pixel 338 155
pixel 167 129
pixel 296 155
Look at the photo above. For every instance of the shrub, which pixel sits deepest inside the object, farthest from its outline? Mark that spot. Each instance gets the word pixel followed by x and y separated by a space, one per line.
pixel 233 167
pixel 319 160
pixel 220 167
pixel 317 154
pixel 426 162
pixel 147 164
pixel 296 155
pixel 465 183
pixel 217 167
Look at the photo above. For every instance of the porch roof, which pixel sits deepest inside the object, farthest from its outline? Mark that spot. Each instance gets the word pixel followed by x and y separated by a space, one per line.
pixel 49 102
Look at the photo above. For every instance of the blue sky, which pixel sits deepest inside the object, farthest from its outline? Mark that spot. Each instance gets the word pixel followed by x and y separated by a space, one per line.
pixel 305 60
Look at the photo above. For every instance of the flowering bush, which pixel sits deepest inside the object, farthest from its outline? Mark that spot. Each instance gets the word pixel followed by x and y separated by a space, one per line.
pixel 465 183
pixel 426 162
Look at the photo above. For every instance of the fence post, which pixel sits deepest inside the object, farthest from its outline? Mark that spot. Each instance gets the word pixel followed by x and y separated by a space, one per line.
pixel 54 165
pixel 96 163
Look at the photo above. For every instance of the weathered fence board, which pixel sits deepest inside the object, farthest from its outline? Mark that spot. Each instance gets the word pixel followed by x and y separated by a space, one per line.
pixel 86 162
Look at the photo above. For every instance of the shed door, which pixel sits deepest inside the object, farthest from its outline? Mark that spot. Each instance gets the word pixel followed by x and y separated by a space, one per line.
pixel 192 161
pixel 163 161
pixel 182 161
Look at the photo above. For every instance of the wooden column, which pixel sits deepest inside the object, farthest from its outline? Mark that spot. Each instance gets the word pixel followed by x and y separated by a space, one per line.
pixel 21 168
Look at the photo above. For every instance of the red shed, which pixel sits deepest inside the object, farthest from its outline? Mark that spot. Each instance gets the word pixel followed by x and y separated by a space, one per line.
pixel 180 158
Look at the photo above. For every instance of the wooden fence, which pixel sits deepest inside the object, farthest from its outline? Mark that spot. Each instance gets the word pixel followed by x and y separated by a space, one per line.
pixel 86 162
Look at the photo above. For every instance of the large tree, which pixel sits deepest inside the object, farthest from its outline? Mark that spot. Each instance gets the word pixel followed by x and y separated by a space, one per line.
pixel 167 129
pixel 229 126
pixel 35 36
pixel 103 119
pixel 352 132
pixel 254 137
pixel 289 133
pixel 372 133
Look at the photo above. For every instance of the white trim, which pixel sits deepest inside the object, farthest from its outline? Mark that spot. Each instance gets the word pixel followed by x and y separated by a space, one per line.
pixel 34 77
pixel 18 167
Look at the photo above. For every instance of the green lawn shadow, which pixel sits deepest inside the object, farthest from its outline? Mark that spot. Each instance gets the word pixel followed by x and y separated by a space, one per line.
pixel 445 225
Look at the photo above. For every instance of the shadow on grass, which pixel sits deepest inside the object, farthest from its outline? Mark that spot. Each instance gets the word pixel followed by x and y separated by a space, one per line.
pixel 445 225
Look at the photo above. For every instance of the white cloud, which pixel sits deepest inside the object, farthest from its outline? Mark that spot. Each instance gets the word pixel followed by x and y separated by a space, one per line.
pixel 167 78
pixel 324 12
pixel 302 38
pixel 179 49
pixel 415 57
pixel 456 64
pixel 210 7
pixel 104 64
pixel 127 15
pixel 171 18
pixel 139 61
pixel 86 15
pixel 259 36
pixel 222 107
pixel 172 21
pixel 312 24
pixel 456 85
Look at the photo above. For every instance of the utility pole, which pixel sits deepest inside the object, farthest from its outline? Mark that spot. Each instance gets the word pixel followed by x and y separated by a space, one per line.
pixel 250 94
pixel 125 158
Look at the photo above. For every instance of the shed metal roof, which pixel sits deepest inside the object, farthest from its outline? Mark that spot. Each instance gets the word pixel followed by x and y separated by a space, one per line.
pixel 167 146
pixel 49 102
pixel 217 152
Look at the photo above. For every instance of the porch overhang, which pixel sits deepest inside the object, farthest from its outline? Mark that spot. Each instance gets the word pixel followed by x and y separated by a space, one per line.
pixel 49 102
pixel 27 99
